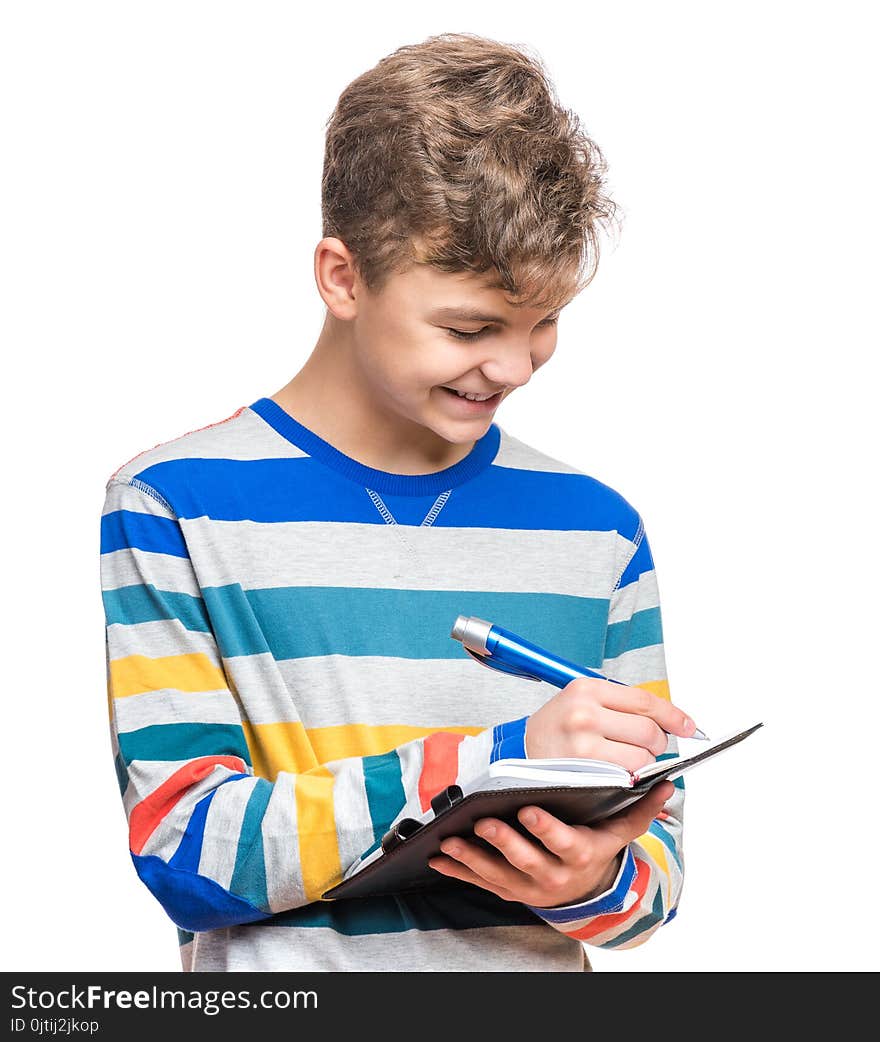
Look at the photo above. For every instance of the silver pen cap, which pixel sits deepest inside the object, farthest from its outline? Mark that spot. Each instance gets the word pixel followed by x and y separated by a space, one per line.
pixel 472 632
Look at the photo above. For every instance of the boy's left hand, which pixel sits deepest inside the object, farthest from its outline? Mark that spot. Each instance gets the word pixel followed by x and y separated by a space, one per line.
pixel 570 864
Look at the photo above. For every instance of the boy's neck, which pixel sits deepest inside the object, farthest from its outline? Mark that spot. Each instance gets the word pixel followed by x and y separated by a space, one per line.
pixel 329 397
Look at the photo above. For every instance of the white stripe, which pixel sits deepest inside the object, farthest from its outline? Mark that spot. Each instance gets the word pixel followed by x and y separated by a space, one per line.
pixel 324 553
pixel 246 436
pixel 223 828
pixel 514 453
pixel 264 947
pixel 377 690
pixel 169 706
pixel 130 567
pixel 639 595
pixel 352 810
pixel 266 695
pixel 284 883
pixel 637 666
pixel 159 639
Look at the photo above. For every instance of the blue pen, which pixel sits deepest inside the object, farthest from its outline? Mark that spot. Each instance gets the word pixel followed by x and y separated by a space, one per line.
pixel 497 648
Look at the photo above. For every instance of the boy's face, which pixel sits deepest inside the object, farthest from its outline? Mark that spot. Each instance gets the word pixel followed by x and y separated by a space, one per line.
pixel 428 330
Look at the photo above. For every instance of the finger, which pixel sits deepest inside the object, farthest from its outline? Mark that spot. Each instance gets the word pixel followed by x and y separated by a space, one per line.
pixel 520 852
pixel 636 819
pixel 453 869
pixel 642 732
pixel 489 866
pixel 641 702
pixel 562 840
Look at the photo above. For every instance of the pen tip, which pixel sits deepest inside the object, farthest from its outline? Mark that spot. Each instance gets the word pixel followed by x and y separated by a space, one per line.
pixel 699 734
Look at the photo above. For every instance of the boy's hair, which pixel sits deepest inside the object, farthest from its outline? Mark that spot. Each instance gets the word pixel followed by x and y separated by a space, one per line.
pixel 455 152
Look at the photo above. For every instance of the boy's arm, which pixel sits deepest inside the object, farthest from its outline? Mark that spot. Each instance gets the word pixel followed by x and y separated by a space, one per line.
pixel 216 844
pixel 648 884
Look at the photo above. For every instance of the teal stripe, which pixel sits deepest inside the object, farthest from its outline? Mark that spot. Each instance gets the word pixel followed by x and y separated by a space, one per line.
pixel 237 628
pixel 656 829
pixel 645 923
pixel 415 624
pixel 641 630
pixel 443 908
pixel 384 785
pixel 183 742
pixel 121 773
pixel 249 875
pixel 144 603
pixel 677 782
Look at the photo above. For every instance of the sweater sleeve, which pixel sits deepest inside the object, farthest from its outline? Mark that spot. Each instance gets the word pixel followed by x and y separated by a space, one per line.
pixel 214 842
pixel 648 886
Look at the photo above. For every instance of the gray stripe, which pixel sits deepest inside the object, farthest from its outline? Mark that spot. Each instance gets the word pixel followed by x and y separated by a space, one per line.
pixel 512 452
pixel 288 948
pixel 315 553
pixel 246 437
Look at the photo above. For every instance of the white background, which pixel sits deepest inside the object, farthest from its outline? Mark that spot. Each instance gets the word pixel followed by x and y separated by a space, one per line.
pixel 160 208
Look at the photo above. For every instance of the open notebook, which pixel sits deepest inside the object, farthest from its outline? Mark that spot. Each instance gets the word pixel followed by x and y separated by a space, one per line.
pixel 579 792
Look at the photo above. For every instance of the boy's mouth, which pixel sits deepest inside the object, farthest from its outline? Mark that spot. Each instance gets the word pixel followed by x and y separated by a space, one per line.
pixel 469 406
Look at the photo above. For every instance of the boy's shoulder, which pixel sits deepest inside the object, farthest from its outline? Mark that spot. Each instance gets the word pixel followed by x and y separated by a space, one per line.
pixel 241 436
pixel 576 491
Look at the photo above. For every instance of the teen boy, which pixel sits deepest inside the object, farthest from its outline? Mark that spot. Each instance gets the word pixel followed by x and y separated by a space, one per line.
pixel 280 586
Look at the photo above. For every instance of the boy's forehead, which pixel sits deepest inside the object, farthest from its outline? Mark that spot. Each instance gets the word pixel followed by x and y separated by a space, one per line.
pixel 459 294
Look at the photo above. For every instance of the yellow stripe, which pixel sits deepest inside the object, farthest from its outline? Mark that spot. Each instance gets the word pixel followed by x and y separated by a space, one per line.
pixel 657 851
pixel 279 747
pixel 335 743
pixel 292 747
pixel 660 688
pixel 135 674
pixel 316 830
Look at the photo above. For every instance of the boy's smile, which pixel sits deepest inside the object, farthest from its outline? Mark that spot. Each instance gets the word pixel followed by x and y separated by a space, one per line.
pixel 402 355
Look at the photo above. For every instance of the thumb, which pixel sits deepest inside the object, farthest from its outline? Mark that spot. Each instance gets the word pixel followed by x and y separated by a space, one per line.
pixel 633 822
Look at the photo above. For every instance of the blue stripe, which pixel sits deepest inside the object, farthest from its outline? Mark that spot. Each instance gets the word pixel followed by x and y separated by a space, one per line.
pixel 385 793
pixel 641 630
pixel 121 529
pixel 642 561
pixel 189 850
pixel 303 489
pixel 509 740
pixel 183 742
pixel 481 453
pixel 645 923
pixel 252 622
pixel 193 902
pixel 610 902
pixel 249 875
pixel 145 603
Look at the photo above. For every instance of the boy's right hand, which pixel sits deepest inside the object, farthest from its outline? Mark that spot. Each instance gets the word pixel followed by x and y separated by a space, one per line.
pixel 600 720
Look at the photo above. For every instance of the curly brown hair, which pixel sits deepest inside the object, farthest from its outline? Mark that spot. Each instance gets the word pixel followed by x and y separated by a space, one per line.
pixel 455 152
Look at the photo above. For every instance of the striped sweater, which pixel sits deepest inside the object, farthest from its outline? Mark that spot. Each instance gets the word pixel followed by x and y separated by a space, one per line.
pixel 283 687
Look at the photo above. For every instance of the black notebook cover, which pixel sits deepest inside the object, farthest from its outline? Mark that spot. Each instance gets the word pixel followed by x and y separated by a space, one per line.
pixel 409 845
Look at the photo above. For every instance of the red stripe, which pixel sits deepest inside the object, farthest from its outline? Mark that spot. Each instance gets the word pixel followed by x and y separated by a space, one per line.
pixel 608 922
pixel 441 764
pixel 146 815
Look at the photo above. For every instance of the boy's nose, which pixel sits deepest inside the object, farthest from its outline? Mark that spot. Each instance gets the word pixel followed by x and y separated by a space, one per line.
pixel 508 369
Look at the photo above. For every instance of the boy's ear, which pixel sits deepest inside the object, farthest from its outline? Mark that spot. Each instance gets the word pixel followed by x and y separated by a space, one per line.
pixel 336 277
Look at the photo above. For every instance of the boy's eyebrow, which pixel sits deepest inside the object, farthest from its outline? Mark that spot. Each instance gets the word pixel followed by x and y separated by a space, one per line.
pixel 471 315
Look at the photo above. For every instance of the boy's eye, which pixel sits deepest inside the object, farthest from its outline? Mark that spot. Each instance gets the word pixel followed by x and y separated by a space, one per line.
pixel 460 334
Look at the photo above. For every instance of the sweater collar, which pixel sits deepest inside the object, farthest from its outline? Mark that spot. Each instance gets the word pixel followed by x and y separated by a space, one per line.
pixel 481 455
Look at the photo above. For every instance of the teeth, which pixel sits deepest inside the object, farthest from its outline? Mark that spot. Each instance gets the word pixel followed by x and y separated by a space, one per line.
pixel 472 397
